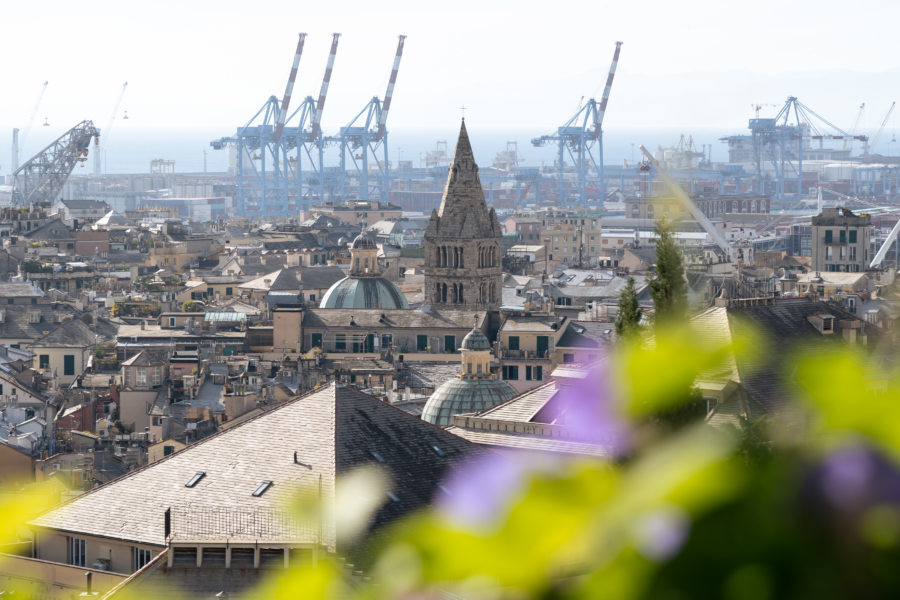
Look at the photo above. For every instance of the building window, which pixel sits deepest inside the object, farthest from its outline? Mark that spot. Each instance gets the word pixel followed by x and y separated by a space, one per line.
pixel 568 358
pixel 69 364
pixel 421 343
pixel 387 340
pixel 140 556
pixel 511 372
pixel 140 376
pixel 167 450
pixel 852 236
pixel 449 343
pixel 157 376
pixel 75 554
pixel 538 373
pixel 312 297
pixel 228 291
pixel 171 321
pixel 44 361
pixel 829 236
pixel 513 342
pixel 316 340
pixel 10 301
pixel 853 251
pixel 842 236
pixel 340 341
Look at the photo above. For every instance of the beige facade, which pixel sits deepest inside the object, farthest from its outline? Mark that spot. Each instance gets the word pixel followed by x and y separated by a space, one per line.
pixel 527 349
pixel 841 241
pixel 32 578
pixel 572 244
pixel 160 450
pixel 287 331
pixel 66 362
pixel 104 554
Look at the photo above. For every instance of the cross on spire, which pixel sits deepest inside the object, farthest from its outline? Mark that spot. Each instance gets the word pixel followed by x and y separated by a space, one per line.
pixel 463 109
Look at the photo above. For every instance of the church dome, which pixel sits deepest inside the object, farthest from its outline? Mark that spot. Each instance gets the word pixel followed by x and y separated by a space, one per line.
pixel 458 396
pixel 475 340
pixel 364 292
pixel 362 242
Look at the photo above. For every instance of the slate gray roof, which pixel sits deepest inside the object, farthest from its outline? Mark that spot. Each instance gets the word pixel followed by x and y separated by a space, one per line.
pixel 72 332
pixel 400 318
pixel 17 320
pixel 320 278
pixel 19 290
pixel 333 431
pixel 586 334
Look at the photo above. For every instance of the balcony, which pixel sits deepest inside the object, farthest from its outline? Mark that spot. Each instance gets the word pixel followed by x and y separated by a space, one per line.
pixel 508 354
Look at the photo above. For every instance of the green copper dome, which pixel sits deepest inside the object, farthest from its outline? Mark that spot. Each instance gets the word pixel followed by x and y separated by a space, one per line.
pixel 363 292
pixel 458 396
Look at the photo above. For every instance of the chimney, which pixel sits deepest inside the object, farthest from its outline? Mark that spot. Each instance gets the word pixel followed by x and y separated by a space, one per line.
pixel 143 325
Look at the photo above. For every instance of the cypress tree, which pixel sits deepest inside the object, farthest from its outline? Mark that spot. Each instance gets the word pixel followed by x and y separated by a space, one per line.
pixel 628 317
pixel 668 287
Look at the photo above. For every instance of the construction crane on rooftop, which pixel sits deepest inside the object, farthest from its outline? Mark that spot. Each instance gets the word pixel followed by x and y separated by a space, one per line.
pixel 581 139
pixel 42 177
pixel 108 129
pixel 365 141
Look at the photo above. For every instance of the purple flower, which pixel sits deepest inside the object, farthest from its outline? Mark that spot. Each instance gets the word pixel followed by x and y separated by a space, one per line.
pixel 478 492
pixel 662 533
pixel 589 407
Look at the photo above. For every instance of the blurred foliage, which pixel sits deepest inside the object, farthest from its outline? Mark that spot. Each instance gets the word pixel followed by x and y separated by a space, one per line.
pixel 689 512
pixel 802 507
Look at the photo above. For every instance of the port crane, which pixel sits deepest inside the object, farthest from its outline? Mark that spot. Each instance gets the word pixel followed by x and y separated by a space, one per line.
pixel 364 141
pixel 878 133
pixel 42 177
pixel 108 129
pixel 581 139
pixel 305 135
pixel 265 188
pixel 686 201
pixel 781 141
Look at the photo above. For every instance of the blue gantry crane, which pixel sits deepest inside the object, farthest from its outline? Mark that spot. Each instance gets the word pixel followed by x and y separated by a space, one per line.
pixel 782 141
pixel 364 142
pixel 581 139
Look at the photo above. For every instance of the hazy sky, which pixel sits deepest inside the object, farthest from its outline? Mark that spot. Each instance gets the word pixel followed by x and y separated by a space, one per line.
pixel 514 64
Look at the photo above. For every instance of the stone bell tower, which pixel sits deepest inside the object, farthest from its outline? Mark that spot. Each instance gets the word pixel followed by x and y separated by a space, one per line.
pixel 462 242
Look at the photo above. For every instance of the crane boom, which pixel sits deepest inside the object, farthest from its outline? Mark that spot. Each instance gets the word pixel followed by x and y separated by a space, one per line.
pixel 881 128
pixel 598 121
pixel 34 111
pixel 109 125
pixel 882 252
pixel 41 179
pixel 289 88
pixel 323 91
pixel 389 93
pixel 855 125
pixel 680 195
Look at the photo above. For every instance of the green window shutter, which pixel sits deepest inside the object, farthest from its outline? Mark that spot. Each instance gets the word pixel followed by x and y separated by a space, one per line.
pixel 852 236
pixel 421 342
pixel 316 340
pixel 45 361
pixel 449 343
pixel 69 364
pixel 513 342
pixel 828 236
